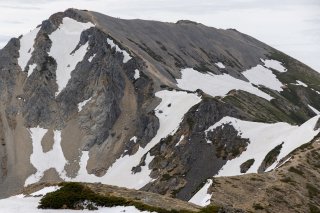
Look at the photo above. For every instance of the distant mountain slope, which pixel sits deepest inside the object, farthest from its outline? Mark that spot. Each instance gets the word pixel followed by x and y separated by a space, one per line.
pixel 161 107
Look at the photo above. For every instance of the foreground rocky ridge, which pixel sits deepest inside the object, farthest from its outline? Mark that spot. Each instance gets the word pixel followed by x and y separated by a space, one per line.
pixel 129 103
pixel 110 196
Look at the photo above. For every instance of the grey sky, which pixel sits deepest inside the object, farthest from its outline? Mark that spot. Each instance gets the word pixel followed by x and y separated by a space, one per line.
pixel 292 26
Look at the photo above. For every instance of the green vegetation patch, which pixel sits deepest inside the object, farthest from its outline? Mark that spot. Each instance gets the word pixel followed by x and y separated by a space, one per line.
pixel 72 195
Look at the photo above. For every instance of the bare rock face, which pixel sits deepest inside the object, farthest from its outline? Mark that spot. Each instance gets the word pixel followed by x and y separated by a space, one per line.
pixel 147 105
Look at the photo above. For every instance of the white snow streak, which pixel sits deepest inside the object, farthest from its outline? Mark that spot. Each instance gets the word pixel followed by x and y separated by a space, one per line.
pixel 44 161
pixel 181 139
pixel 315 91
pixel 45 190
pixel 300 83
pixel 202 197
pixel 169 117
pixel 216 85
pixel 26 48
pixel 263 138
pixel 314 109
pixel 126 56
pixel 273 64
pixel 64 40
pixel 31 68
pixel 220 65
pixel 83 103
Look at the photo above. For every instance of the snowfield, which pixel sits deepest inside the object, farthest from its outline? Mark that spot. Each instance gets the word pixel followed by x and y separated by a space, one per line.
pixel 26 48
pixel 273 64
pixel 44 161
pixel 64 41
pixel 220 85
pixel 263 138
pixel 21 204
pixel 216 85
pixel 260 75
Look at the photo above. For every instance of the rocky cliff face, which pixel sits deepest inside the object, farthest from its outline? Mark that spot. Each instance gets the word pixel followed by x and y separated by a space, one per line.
pixel 147 105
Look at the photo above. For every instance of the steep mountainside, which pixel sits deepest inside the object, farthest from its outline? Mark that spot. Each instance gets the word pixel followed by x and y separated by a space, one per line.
pixel 161 107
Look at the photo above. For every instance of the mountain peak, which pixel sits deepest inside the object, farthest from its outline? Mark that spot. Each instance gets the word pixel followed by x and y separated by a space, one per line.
pixel 148 105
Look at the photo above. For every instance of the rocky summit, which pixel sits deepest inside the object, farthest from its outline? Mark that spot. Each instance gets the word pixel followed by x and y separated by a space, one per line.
pixel 176 109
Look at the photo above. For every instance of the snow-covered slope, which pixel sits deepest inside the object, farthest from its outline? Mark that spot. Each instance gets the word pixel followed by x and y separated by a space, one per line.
pixel 263 138
pixel 65 51
pixel 202 197
pixel 139 104
pixel 216 85
pixel 26 48
pixel 43 160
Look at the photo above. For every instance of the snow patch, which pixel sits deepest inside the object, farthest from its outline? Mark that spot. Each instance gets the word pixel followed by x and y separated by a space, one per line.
pixel 216 85
pixel 260 75
pixel 91 57
pixel 31 68
pixel 44 161
pixel 64 40
pixel 83 103
pixel 26 48
pixel 220 65
pixel 134 139
pixel 136 74
pixel 263 138
pixel 202 197
pixel 273 64
pixel 126 56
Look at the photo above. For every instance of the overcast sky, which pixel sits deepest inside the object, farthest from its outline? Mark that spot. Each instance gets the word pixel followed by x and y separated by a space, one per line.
pixel 292 26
